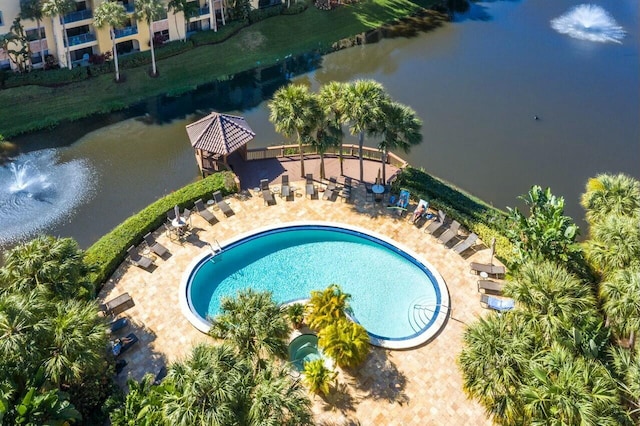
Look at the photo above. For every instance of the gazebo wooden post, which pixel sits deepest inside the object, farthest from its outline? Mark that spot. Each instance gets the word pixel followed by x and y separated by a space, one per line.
pixel 199 161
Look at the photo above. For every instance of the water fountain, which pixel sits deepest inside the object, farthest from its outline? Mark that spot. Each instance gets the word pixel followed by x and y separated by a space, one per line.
pixel 37 190
pixel 589 22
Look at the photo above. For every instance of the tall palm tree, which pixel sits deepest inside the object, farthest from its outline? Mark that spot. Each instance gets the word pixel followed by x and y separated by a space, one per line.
pixel 293 111
pixel 620 294
pixel 188 8
pixel 331 98
pixel 626 367
pixel 346 342
pixel 362 105
pixel 149 11
pixel 60 8
pixel 32 9
pixel 326 135
pixel 611 195
pixel 114 15
pixel 400 129
pixel 494 359
pixel 253 323
pixel 614 243
pixel 19 314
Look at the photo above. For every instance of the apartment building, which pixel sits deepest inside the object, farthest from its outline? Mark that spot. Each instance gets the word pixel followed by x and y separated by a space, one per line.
pixel 85 39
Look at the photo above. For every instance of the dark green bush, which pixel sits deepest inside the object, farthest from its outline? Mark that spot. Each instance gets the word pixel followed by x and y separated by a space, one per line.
pixel 110 250
pixel 486 221
pixel 224 32
pixel 168 49
pixel 257 15
pixel 296 8
pixel 47 78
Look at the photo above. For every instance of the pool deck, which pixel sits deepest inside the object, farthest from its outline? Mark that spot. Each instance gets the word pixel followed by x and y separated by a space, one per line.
pixel 420 386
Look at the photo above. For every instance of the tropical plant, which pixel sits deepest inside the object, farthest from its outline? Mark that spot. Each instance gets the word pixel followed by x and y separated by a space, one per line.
pixel 614 244
pixel 111 14
pixel 607 195
pixel 327 306
pixel 32 9
pixel 295 313
pixel 141 406
pixel 326 135
pixel 294 111
pixel 318 377
pixel 39 406
pixel 400 129
pixel 620 295
pixel 188 8
pixel 53 265
pixel 252 323
pixel 60 8
pixel 330 96
pixel 346 342
pixel 494 360
pixel 149 11
pixel 626 368
pixel 362 105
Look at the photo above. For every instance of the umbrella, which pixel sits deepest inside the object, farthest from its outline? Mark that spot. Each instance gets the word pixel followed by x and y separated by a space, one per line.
pixel 176 209
pixel 493 250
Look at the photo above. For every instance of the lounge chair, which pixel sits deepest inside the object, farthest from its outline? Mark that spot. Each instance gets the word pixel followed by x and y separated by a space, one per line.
pixel 120 346
pixel 467 243
pixel 118 324
pixel 162 373
pixel 421 211
pixel 217 197
pixel 155 246
pixel 329 192
pixel 437 223
pixel 118 304
pixel 310 188
pixel 488 286
pixel 136 259
pixel 401 205
pixel 450 233
pixel 186 215
pixel 285 189
pixel 496 270
pixel 368 192
pixel 267 195
pixel 204 213
pixel 345 194
pixel 496 303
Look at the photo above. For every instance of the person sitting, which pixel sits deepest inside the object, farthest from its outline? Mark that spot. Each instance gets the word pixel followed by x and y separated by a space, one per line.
pixel 419 212
pixel 116 345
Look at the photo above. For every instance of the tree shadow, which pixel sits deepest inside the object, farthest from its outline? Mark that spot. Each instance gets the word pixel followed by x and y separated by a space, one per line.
pixel 380 379
pixel 341 398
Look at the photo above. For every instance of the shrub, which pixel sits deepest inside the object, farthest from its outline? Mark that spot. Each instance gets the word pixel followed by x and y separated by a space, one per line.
pixel 211 37
pixel 167 50
pixel 318 377
pixel 296 8
pixel 110 250
pixel 257 15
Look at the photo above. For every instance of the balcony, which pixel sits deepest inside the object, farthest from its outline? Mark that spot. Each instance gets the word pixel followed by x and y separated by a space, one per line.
pixel 81 38
pixel 129 7
pixel 126 31
pixel 203 10
pixel 77 16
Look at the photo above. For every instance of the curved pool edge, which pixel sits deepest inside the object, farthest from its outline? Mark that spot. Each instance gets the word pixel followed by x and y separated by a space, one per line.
pixel 428 334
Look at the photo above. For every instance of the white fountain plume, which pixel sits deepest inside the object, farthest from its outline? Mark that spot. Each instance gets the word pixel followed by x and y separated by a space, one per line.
pixel 589 22
pixel 36 191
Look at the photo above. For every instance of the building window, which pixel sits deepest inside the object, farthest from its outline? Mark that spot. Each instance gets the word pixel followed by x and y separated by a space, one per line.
pixel 161 35
pixel 32 35
pixel 1 20
pixel 37 59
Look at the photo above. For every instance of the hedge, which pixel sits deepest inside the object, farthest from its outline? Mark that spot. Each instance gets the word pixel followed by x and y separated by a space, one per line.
pixel 479 217
pixel 224 32
pixel 111 250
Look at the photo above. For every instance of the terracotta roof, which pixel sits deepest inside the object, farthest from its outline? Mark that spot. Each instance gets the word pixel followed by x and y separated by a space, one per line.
pixel 220 133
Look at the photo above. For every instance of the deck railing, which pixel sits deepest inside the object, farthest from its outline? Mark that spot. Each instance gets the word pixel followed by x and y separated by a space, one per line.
pixel 350 151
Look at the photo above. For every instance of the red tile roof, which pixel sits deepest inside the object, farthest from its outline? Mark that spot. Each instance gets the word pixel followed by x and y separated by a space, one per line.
pixel 220 133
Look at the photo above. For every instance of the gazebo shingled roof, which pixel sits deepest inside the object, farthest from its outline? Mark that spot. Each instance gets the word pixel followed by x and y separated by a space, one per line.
pixel 220 134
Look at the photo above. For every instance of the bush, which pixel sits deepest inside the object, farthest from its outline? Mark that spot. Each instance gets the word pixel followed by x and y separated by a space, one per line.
pixel 110 250
pixel 211 37
pixel 296 8
pixel 167 50
pixel 257 15
pixel 47 78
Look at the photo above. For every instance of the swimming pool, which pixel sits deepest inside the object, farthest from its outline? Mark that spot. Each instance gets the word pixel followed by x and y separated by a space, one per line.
pixel 400 300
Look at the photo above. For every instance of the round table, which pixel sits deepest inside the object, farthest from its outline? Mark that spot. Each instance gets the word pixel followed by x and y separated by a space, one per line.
pixel 484 275
pixel 377 189
pixel 210 202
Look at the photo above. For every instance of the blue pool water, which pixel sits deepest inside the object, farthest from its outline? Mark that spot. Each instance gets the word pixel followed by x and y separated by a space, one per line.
pixel 393 294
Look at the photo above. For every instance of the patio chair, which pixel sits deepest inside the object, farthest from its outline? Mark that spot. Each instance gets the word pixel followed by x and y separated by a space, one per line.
pixel 186 215
pixel 368 195
pixel 437 223
pixel 267 195
pixel 401 205
pixel 217 197
pixel 348 183
pixel 310 187
pixel 345 194
pixel 496 303
pixel 138 260
pixel 118 304
pixel 466 244
pixel 497 270
pixel 204 213
pixel 329 192
pixel 488 286
pixel 155 246
pixel 450 233
pixel 120 346
pixel 285 189
pixel 171 215
pixel 118 324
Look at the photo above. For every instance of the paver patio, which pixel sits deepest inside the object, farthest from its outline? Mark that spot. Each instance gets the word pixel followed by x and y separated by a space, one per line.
pixel 421 386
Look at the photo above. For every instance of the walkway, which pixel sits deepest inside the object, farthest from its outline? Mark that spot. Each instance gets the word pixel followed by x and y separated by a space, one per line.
pixel 421 386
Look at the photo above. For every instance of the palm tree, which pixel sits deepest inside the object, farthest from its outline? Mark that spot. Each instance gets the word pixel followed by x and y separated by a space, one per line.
pixel 188 8
pixel 362 104
pixel 114 15
pixel 620 294
pixel 295 313
pixel 142 405
pixel 331 98
pixel 626 367
pixel 550 298
pixel 327 306
pixel 400 128
pixel 326 135
pixel 611 195
pixel 318 377
pixel 614 243
pixel 32 9
pixel 253 323
pixel 19 315
pixel 293 111
pixel 149 11
pixel 60 8
pixel 345 341
pixel 494 359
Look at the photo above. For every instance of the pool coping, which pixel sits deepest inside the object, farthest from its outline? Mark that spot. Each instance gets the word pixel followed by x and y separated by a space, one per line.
pixel 439 321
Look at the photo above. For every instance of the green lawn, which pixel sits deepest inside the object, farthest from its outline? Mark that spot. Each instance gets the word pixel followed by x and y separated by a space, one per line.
pixel 29 108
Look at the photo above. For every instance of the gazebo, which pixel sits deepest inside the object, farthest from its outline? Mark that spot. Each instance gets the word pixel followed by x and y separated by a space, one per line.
pixel 215 137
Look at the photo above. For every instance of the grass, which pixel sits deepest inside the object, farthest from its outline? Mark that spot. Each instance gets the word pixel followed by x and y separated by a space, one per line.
pixel 30 108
